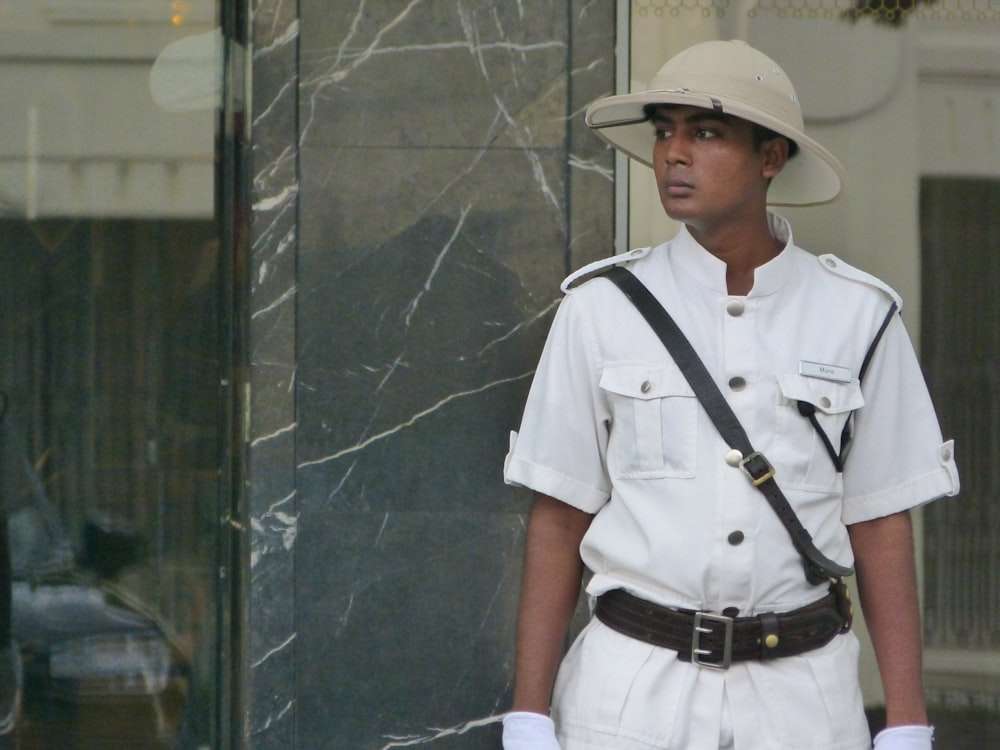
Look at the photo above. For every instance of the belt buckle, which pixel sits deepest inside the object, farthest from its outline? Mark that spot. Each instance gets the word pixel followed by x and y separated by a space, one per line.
pixel 699 654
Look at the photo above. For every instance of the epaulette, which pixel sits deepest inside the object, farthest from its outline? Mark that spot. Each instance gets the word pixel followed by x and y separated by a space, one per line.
pixel 833 264
pixel 593 269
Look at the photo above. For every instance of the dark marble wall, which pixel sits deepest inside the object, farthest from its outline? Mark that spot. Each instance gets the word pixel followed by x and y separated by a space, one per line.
pixel 422 180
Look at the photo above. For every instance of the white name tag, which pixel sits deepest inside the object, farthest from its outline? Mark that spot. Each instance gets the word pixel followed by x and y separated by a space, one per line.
pixel 825 372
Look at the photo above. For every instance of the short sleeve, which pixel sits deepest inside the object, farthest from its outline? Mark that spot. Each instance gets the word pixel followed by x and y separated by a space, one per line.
pixel 560 448
pixel 898 459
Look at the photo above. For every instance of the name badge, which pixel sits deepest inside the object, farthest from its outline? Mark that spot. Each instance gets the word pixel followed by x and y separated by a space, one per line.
pixel 825 372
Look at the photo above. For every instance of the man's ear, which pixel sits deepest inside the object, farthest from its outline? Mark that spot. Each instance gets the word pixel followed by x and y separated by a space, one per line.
pixel 775 156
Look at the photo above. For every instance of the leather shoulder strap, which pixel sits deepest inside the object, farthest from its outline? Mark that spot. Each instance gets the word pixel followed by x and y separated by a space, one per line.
pixel 819 568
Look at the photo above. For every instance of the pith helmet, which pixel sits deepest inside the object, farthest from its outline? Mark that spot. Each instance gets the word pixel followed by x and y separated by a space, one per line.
pixel 734 78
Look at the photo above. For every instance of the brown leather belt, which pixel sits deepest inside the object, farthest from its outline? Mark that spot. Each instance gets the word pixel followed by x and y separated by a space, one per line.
pixel 715 641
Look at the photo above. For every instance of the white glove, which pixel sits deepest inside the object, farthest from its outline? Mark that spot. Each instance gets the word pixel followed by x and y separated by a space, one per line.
pixel 523 730
pixel 910 737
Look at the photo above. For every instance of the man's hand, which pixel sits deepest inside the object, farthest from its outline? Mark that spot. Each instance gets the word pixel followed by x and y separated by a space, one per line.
pixel 523 730
pixel 909 737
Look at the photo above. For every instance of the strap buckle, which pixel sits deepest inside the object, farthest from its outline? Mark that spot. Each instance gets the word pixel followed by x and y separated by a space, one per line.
pixel 758 468
pixel 698 654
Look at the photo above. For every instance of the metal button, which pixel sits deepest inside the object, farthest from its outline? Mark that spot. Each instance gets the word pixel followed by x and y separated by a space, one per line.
pixel 825 402
pixel 735 307
pixel 771 641
pixel 735 538
pixel 737 383
pixel 645 386
pixel 734 457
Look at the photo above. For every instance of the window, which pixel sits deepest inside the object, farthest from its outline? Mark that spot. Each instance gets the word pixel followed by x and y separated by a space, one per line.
pixel 109 373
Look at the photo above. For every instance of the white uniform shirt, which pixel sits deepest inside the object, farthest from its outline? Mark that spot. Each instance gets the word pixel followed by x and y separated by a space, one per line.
pixel 612 427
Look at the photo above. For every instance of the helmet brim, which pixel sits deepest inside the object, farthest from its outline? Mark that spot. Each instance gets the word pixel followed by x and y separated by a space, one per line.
pixel 812 177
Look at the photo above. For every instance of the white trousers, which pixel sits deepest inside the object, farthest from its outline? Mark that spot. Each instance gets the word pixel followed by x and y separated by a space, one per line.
pixel 617 693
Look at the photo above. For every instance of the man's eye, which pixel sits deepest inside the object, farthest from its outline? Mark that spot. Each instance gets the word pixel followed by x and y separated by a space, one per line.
pixel 660 133
pixel 704 133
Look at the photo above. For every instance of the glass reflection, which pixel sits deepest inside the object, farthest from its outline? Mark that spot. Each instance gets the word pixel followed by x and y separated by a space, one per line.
pixel 110 375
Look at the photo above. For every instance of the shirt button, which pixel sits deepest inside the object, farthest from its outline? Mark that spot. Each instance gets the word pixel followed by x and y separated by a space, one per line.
pixel 645 386
pixel 731 611
pixel 737 383
pixel 735 307
pixel 825 402
pixel 734 457
pixel 735 538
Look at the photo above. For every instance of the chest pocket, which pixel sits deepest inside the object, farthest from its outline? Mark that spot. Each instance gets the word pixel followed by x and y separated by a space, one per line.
pixel 813 416
pixel 654 421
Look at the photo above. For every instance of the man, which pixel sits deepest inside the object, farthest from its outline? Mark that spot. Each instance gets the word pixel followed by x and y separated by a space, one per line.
pixel 707 633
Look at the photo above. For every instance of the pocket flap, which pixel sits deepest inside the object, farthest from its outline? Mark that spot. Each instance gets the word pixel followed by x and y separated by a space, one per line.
pixel 645 382
pixel 827 396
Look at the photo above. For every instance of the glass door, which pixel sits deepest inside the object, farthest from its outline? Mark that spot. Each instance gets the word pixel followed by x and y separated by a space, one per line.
pixel 111 373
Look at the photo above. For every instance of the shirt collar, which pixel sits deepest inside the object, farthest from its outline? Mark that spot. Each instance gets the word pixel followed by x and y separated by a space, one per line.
pixel 696 261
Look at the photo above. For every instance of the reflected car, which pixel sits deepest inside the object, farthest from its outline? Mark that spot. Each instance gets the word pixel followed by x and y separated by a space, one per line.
pixel 94 671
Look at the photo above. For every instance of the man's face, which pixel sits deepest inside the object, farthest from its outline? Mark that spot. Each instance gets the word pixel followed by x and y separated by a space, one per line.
pixel 708 170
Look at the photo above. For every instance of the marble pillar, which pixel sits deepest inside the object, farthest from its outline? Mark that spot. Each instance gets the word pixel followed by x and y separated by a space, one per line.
pixel 421 181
